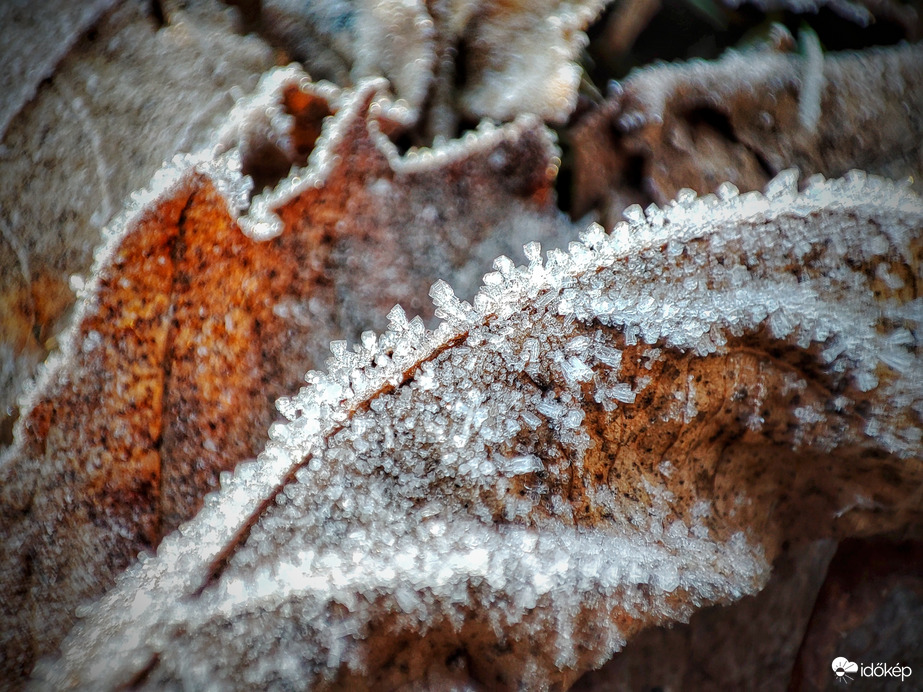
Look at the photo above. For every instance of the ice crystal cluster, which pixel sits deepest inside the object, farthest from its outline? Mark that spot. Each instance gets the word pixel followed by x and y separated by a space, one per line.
pixel 428 480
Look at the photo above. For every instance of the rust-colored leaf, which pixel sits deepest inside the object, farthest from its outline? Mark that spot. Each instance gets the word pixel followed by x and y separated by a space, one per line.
pixel 96 96
pixel 192 329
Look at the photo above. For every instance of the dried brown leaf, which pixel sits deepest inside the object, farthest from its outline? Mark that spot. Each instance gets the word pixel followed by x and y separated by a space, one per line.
pixel 379 539
pixel 744 119
pixel 606 441
pixel 124 97
pixel 192 329
pixel 494 60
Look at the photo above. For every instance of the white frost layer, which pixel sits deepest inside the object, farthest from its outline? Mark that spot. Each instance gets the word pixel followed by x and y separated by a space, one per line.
pixel 366 102
pixel 262 223
pixel 405 443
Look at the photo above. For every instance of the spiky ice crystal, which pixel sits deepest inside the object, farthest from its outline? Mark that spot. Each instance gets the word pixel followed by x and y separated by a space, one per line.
pixel 421 479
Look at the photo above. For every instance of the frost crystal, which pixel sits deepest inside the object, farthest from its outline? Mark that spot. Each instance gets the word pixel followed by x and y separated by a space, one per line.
pixel 403 490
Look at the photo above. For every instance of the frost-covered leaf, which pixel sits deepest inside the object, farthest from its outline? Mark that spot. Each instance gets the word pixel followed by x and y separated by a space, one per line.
pixel 606 440
pixel 190 329
pixel 747 117
pixel 121 96
pixel 529 61
pixel 487 59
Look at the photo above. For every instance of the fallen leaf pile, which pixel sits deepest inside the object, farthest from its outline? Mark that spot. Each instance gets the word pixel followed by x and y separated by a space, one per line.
pixel 719 395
